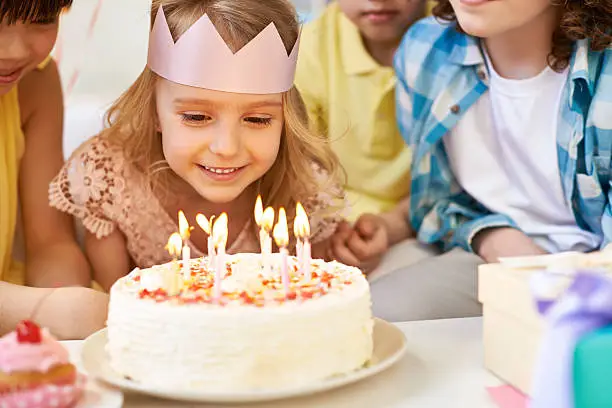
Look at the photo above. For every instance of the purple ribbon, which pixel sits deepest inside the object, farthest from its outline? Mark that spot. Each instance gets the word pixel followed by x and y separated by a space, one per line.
pixel 584 307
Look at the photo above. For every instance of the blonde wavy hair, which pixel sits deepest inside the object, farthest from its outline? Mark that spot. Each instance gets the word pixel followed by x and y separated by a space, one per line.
pixel 132 120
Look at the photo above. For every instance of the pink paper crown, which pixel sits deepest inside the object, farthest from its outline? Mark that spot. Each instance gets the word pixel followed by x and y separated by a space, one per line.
pixel 201 58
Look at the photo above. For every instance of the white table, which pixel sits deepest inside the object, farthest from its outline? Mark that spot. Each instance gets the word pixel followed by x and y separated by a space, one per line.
pixel 443 368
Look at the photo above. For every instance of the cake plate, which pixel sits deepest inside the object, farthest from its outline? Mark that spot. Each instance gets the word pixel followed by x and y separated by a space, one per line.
pixel 389 348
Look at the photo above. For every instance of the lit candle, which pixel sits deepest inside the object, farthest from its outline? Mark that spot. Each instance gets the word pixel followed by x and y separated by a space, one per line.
pixel 301 227
pixel 170 278
pixel 175 243
pixel 220 233
pixel 265 222
pixel 185 232
pixel 299 246
pixel 281 236
pixel 206 225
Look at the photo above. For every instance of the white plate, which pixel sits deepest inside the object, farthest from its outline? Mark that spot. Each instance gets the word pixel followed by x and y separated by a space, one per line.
pixel 389 347
pixel 100 396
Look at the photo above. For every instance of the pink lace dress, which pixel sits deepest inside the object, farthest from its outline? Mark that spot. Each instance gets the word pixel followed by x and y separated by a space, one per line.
pixel 99 187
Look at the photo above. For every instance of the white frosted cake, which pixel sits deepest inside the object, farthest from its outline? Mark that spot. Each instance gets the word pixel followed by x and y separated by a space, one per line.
pixel 254 337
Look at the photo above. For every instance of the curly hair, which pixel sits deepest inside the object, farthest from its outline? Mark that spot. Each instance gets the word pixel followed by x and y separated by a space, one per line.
pixel 580 19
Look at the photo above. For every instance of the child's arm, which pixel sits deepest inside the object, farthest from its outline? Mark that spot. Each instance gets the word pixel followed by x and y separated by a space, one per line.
pixel 53 257
pixel 69 313
pixel 109 257
pixel 397 224
pixel 494 243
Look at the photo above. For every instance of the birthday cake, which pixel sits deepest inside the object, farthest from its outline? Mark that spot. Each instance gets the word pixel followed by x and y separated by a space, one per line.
pixel 254 332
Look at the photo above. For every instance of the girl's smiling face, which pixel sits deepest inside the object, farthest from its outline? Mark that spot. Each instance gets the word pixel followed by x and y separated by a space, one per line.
pixel 24 45
pixel 218 142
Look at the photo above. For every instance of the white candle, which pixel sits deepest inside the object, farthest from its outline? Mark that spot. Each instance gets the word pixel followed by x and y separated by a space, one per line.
pixel 206 226
pixel 211 252
pixel 185 231
pixel 285 269
pixel 263 245
pixel 301 229
pixel 172 274
pixel 266 222
pixel 219 271
pixel 186 262
pixel 219 234
pixel 281 236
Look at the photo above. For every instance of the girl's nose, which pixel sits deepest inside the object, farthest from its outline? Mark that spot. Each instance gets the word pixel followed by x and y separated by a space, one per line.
pixel 226 141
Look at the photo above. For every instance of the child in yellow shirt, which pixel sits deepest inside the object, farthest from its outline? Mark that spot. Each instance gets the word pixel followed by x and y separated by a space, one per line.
pixel 345 77
pixel 31 114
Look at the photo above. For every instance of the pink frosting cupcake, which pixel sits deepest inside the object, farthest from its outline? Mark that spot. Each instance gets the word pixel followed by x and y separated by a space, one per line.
pixel 35 370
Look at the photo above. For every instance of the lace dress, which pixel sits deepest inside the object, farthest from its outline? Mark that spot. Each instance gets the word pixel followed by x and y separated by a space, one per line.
pixel 99 187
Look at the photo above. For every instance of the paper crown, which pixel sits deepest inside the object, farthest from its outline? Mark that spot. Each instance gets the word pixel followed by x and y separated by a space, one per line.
pixel 201 58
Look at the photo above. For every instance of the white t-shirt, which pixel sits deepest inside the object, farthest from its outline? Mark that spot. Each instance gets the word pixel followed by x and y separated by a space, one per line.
pixel 503 152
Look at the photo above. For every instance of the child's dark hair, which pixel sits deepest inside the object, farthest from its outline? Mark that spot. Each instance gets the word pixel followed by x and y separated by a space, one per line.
pixel 12 11
pixel 580 19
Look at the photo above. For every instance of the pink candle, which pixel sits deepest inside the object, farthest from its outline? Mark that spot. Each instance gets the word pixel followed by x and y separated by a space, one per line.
pixel 299 248
pixel 306 257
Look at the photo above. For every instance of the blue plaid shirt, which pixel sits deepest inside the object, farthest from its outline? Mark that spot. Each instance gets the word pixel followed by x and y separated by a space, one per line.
pixel 441 73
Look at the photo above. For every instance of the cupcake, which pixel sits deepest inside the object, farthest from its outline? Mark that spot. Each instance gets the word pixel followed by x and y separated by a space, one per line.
pixel 35 371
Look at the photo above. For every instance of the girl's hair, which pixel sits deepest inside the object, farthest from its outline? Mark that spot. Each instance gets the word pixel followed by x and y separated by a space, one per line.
pixel 132 120
pixel 580 19
pixel 12 11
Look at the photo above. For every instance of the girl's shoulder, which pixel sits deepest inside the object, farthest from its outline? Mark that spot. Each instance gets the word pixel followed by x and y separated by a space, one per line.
pixel 40 90
pixel 93 185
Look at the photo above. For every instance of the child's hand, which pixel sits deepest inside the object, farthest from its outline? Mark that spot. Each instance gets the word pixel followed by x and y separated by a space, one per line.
pixel 369 240
pixel 361 245
pixel 339 250
pixel 495 243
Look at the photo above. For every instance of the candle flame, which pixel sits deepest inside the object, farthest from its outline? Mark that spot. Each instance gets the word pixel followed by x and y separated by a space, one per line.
pixel 281 231
pixel 204 223
pixel 267 220
pixel 258 211
pixel 219 231
pixel 301 225
pixel 175 245
pixel 184 228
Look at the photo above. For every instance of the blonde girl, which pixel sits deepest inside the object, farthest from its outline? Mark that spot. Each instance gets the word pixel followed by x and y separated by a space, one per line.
pixel 172 147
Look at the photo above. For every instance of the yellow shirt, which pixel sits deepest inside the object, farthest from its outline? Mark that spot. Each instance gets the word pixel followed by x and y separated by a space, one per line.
pixel 11 150
pixel 12 146
pixel 350 97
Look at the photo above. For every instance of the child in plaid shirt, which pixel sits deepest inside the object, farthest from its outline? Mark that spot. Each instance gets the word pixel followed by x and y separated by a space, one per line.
pixel 507 106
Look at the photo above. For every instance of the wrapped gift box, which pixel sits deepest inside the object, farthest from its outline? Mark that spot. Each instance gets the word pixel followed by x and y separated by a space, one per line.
pixel 513 328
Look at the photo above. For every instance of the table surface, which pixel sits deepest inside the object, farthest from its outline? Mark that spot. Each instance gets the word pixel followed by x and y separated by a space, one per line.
pixel 442 368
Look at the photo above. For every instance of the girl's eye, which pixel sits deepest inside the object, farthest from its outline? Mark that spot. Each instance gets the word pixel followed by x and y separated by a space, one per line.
pixel 258 121
pixel 195 117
